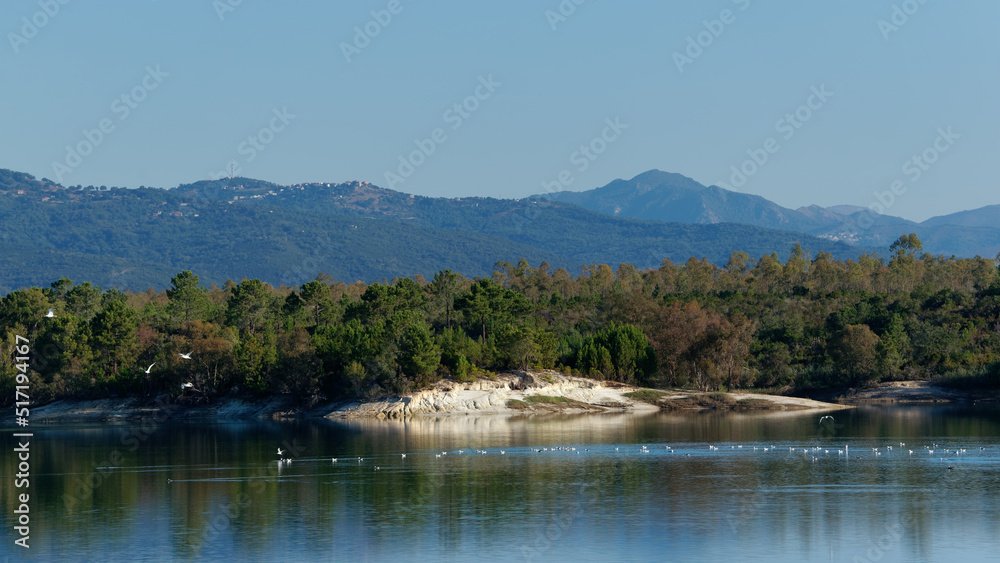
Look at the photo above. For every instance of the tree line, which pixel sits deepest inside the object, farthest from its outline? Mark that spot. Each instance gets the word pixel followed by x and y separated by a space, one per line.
pixel 808 322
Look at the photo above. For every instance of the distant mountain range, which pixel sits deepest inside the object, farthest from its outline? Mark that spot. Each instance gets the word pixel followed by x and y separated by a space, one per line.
pixel 240 227
pixel 664 196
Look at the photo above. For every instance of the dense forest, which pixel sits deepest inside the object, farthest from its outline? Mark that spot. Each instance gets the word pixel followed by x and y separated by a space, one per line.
pixel 134 239
pixel 802 324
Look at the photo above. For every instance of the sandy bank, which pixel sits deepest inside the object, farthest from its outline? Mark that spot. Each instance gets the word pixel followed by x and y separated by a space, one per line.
pixel 163 408
pixel 912 392
pixel 518 393
pixel 539 392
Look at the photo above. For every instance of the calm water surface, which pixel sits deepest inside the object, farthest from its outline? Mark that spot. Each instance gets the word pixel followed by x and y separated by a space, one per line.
pixel 708 487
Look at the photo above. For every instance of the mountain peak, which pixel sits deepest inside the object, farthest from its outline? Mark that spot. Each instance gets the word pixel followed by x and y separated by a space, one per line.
pixel 656 178
pixel 667 196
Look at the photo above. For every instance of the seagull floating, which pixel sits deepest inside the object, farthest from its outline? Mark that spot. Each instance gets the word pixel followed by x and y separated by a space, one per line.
pixel 185 356
pixel 51 314
pixel 151 367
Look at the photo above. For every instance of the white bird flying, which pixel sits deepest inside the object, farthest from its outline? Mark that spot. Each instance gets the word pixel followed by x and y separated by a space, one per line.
pixel 185 356
pixel 150 367
pixel 51 314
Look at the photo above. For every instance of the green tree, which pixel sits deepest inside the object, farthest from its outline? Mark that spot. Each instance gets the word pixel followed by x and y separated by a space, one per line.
pixel 24 307
pixel 381 302
pixel 115 337
pixel 487 301
pixel 84 301
pixel 249 308
pixel 906 245
pixel 619 352
pixel 854 353
pixel 443 289
pixel 892 350
pixel 255 356
pixel 419 355
pixel 316 299
pixel 58 289
pixel 186 298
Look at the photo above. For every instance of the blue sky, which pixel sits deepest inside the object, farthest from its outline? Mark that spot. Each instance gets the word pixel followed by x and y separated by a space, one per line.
pixel 289 92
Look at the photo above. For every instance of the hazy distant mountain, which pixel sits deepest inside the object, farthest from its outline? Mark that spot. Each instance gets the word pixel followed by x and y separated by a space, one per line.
pixel 664 196
pixel 235 228
pixel 988 216
pixel 844 209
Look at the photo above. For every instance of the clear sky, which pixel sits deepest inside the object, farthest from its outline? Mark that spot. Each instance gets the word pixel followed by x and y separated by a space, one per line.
pixel 291 92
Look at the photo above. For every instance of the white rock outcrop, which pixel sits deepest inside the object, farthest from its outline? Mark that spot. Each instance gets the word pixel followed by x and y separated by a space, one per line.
pixel 484 396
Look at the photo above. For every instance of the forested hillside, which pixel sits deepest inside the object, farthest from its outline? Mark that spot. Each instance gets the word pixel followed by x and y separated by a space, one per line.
pixel 820 323
pixel 239 227
pixel 665 196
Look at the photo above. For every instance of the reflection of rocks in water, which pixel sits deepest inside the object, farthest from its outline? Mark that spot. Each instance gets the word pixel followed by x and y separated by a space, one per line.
pixel 426 431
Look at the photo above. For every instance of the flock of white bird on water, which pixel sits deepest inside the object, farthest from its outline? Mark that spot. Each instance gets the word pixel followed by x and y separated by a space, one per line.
pixel 844 452
pixel 813 453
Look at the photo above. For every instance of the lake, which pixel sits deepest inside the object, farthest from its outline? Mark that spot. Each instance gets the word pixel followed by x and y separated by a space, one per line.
pixel 698 487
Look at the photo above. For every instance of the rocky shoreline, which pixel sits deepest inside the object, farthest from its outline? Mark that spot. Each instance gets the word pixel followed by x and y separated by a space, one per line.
pixel 522 393
pixel 541 392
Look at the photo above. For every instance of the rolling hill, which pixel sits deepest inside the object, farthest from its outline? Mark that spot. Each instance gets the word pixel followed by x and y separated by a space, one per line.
pixel 665 196
pixel 234 228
